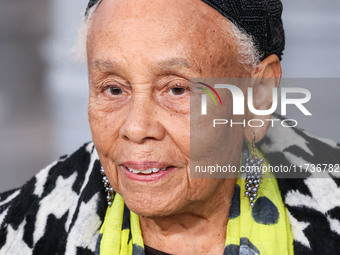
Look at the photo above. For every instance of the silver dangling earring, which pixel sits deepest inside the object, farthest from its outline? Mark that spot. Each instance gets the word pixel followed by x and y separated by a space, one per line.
pixel 254 174
pixel 109 190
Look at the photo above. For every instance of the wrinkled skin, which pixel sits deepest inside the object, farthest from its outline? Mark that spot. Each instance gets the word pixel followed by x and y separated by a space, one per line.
pixel 141 56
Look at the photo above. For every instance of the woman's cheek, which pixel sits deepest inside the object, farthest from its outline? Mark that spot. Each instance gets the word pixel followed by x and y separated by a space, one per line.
pixel 178 128
pixel 103 127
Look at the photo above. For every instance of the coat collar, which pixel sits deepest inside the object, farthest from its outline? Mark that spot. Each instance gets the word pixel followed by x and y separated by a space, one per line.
pixel 312 203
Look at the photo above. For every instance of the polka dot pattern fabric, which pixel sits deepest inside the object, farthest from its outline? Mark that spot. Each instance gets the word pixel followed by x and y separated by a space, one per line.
pixel 263 229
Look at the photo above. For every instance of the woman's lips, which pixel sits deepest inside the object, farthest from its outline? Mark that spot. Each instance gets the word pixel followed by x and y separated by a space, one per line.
pixel 146 170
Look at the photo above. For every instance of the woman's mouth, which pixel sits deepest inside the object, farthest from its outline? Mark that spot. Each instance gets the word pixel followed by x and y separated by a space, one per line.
pixel 146 170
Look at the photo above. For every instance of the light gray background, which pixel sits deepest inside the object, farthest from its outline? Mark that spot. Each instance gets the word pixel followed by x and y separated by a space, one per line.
pixel 43 93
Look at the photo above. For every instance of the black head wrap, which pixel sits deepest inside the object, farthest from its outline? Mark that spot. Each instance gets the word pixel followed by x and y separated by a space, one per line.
pixel 90 5
pixel 259 18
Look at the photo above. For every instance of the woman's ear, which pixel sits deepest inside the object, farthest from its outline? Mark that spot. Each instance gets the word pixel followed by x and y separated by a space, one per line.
pixel 265 77
pixel 270 67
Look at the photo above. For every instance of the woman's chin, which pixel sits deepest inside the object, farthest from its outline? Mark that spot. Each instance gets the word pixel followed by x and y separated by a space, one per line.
pixel 150 205
pixel 152 212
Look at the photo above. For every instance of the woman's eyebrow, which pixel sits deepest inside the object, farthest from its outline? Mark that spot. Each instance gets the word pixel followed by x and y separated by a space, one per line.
pixel 165 65
pixel 173 63
pixel 176 65
pixel 107 66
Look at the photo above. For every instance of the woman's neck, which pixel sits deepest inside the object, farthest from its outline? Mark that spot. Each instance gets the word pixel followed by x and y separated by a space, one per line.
pixel 200 229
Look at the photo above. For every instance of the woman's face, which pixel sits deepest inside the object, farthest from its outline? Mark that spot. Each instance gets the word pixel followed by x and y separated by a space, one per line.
pixel 140 59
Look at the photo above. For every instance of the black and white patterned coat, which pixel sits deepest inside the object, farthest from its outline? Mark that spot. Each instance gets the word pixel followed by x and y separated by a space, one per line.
pixel 60 210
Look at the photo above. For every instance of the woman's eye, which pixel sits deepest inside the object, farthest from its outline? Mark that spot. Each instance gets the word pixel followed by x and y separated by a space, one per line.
pixel 177 91
pixel 115 91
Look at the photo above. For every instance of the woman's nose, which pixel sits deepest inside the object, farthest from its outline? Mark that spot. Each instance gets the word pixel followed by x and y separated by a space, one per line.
pixel 142 122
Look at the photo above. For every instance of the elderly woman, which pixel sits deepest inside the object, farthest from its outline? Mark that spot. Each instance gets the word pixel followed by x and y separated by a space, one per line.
pixel 130 191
